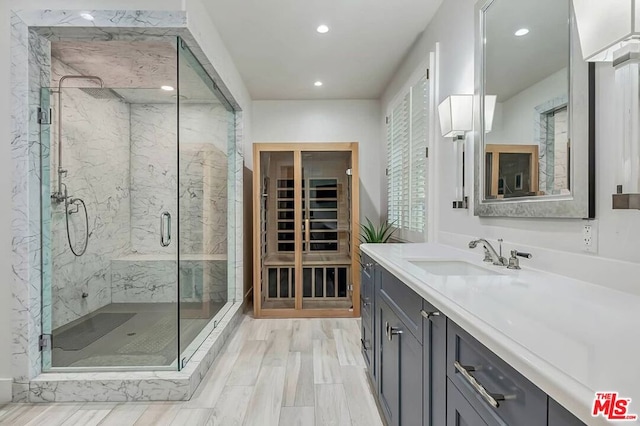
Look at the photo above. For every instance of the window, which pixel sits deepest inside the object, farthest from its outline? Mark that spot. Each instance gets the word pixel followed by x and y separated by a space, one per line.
pixel 407 134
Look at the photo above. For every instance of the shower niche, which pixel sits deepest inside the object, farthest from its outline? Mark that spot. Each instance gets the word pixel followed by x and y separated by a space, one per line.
pixel 306 215
pixel 136 164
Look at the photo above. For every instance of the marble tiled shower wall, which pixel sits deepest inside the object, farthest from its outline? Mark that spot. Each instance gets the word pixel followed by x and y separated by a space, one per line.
pixel 96 154
pixel 122 162
pixel 203 176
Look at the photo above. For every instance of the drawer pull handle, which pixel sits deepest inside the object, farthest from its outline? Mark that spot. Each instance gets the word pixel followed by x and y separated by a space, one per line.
pixel 392 331
pixel 364 345
pixel 364 301
pixel 429 315
pixel 491 398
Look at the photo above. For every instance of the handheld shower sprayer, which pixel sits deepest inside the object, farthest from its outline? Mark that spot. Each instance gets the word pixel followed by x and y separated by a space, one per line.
pixel 61 195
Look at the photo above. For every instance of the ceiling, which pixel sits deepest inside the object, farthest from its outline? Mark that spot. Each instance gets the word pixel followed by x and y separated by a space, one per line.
pixel 515 63
pixel 135 70
pixel 279 54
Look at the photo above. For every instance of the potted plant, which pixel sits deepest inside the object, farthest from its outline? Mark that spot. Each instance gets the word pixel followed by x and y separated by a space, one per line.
pixel 376 234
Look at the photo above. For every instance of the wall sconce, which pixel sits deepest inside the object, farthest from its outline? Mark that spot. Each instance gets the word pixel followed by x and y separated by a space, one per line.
pixel 609 33
pixel 456 116
pixel 456 119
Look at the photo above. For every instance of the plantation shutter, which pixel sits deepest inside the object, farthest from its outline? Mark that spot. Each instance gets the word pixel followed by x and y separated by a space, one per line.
pixel 406 158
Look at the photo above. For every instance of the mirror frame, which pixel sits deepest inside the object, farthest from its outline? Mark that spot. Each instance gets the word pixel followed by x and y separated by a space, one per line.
pixel 581 202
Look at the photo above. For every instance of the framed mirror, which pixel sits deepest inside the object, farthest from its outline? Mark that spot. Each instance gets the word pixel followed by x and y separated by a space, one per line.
pixel 538 158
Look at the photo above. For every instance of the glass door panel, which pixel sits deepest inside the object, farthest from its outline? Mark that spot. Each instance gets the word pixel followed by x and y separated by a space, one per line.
pixel 206 155
pixel 326 260
pixel 278 225
pixel 109 186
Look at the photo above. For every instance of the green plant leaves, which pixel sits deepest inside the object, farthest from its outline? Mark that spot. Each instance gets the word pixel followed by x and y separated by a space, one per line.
pixel 376 234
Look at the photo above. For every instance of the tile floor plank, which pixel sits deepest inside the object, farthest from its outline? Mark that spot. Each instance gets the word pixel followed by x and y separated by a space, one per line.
pixel 266 400
pixel 326 367
pixel 159 414
pixel 272 372
pixel 363 408
pixel 232 406
pixel 91 414
pixel 331 406
pixel 245 370
pixel 55 414
pixel 125 414
pixel 297 416
pixel 193 417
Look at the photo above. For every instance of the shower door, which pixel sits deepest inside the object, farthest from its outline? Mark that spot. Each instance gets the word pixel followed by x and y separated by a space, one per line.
pixel 305 214
pixel 109 161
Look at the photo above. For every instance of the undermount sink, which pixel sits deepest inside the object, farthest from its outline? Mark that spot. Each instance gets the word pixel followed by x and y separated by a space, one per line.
pixel 452 268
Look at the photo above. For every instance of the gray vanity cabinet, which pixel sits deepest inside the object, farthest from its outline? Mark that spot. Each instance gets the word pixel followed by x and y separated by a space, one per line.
pixel 428 371
pixel 434 365
pixel 559 416
pixel 459 410
pixel 400 391
pixel 368 273
pixel 491 385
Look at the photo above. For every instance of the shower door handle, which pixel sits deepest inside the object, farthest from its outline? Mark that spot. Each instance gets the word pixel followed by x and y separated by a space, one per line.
pixel 165 221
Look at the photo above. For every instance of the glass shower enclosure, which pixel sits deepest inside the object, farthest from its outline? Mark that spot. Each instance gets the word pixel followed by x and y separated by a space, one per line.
pixel 137 203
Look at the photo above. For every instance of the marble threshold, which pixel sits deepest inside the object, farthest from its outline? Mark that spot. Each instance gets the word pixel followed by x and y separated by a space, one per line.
pixel 128 386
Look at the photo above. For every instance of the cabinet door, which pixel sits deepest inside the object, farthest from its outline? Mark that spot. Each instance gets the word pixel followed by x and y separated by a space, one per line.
pixel 389 365
pixel 367 346
pixel 434 365
pixel 459 411
pixel 559 416
pixel 400 371
pixel 366 288
pixel 411 409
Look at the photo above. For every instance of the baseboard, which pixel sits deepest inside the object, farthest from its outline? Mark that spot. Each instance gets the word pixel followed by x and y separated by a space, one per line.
pixel 6 390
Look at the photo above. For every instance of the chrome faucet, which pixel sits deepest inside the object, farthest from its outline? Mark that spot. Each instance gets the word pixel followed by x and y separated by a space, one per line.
pixel 490 254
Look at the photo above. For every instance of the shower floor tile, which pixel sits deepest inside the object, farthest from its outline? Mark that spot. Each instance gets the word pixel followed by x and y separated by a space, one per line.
pixel 148 338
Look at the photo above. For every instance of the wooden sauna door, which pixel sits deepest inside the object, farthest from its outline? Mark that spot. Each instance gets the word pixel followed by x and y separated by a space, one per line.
pixel 306 230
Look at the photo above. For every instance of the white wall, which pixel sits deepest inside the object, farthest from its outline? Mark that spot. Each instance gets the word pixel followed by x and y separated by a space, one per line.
pixel 555 244
pixel 514 122
pixel 5 208
pixel 328 121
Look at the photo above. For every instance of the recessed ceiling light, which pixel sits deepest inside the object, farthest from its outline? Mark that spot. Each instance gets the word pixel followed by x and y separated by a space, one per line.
pixel 521 32
pixel 317 83
pixel 167 88
pixel 87 16
pixel 322 29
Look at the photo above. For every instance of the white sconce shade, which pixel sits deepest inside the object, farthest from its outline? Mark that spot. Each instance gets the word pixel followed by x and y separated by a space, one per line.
pixel 606 25
pixel 456 115
pixel 489 111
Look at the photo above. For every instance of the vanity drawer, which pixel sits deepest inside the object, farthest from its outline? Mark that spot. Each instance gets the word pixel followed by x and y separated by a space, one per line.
pixel 471 367
pixel 405 302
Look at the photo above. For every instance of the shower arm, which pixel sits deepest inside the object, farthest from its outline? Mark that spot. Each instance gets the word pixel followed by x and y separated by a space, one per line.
pixel 59 196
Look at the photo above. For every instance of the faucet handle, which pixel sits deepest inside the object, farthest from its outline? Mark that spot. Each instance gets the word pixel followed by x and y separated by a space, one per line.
pixel 521 254
pixel 514 262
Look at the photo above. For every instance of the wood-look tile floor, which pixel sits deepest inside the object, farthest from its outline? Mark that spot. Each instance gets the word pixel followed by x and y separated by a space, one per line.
pixel 272 372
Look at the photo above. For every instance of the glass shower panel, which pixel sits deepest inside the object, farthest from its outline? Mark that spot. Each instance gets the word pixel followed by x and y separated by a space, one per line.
pixel 109 167
pixel 326 215
pixel 206 131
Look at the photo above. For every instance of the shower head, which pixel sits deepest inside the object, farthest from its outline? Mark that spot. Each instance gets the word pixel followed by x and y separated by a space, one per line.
pixel 101 93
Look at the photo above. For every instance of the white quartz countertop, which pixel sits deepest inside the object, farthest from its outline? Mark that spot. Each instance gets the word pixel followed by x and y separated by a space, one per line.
pixel 569 337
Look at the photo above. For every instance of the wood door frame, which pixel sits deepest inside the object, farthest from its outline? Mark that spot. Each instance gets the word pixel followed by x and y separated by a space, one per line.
pixel 297 149
pixel 496 149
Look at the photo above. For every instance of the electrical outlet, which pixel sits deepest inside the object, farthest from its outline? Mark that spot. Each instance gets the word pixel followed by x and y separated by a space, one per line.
pixel 590 236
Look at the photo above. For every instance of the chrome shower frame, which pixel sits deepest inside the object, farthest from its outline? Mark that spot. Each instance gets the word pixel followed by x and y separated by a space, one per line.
pixel 61 196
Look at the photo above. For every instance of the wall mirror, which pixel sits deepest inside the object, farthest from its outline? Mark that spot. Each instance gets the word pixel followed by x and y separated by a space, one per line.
pixel 537 160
